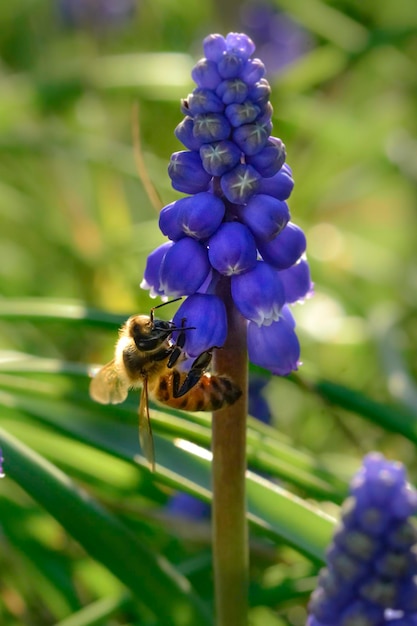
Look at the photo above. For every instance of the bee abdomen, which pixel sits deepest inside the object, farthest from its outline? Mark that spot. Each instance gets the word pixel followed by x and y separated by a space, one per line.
pixel 210 393
pixel 225 389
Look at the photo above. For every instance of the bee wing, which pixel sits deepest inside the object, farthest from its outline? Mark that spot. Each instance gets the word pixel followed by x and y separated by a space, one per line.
pixel 108 385
pixel 145 430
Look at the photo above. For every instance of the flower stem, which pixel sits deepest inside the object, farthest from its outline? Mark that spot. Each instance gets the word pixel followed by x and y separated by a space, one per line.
pixel 230 537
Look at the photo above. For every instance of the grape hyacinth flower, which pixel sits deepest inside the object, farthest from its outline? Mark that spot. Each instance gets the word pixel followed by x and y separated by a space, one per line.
pixel 185 505
pixel 281 39
pixel 96 14
pixel 371 573
pixel 234 225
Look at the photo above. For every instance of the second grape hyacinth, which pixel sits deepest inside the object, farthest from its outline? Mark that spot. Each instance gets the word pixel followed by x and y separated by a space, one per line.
pixel 371 573
pixel 234 224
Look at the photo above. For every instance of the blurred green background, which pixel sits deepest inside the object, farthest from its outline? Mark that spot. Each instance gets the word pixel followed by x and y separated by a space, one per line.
pixel 78 82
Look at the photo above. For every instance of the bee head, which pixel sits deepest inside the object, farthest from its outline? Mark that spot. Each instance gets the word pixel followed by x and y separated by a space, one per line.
pixel 148 333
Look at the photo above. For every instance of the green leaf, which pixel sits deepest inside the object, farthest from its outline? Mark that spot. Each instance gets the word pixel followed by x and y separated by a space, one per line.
pixel 328 22
pixel 299 524
pixel 393 419
pixel 149 576
pixel 50 567
pixel 98 612
pixel 266 452
pixel 47 310
pixel 273 511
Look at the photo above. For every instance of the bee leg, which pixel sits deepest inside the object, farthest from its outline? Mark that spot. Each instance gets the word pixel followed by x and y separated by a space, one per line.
pixel 164 354
pixel 178 347
pixel 198 368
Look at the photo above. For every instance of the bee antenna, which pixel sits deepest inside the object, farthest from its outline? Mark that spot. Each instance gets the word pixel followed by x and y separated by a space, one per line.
pixel 181 328
pixel 158 306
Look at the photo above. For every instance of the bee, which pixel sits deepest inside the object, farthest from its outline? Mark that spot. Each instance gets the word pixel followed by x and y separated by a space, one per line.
pixel 146 356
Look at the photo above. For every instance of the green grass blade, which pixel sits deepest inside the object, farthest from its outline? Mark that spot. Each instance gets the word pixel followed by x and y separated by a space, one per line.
pixel 299 524
pixel 273 511
pixel 98 612
pixel 393 419
pixel 150 577
pixel 50 566
pixel 266 453
pixel 42 309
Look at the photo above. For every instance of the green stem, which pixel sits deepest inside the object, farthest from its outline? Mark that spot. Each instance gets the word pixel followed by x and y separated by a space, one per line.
pixel 230 537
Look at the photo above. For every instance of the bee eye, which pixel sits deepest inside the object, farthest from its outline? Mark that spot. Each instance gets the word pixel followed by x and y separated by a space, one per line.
pixel 135 330
pixel 140 326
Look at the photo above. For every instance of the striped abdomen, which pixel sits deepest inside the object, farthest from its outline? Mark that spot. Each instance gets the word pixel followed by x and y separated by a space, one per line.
pixel 210 393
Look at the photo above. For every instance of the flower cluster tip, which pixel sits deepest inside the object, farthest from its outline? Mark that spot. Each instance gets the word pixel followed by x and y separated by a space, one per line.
pixel 235 222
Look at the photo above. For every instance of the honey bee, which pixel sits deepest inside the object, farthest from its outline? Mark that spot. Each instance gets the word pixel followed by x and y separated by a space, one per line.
pixel 145 355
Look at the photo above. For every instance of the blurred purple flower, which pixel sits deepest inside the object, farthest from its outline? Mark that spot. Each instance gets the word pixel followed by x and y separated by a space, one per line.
pixel 183 504
pixel 371 572
pixel 96 14
pixel 279 39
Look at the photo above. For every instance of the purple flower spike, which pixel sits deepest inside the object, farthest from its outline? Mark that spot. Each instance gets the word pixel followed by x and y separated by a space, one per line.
pixel 232 249
pixel 235 220
pixel 184 268
pixel 240 183
pixel 204 101
pixel 297 282
pixel 265 216
pixel 210 127
pixel 187 172
pixel 197 216
pixel 241 44
pixel 260 92
pixel 280 185
pixel 151 279
pixel 201 214
pixel 219 157
pixel 205 74
pixel 232 91
pixel 270 159
pixel 169 221
pixel 212 333
pixel 285 249
pixel 251 138
pixel 259 294
pixel 230 65
pixel 253 71
pixel 242 113
pixel 2 474
pixel 214 47
pixel 274 347
pixel 371 582
pixel 184 132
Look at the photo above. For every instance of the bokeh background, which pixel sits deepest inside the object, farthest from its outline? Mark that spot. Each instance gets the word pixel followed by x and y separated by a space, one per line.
pixel 89 99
